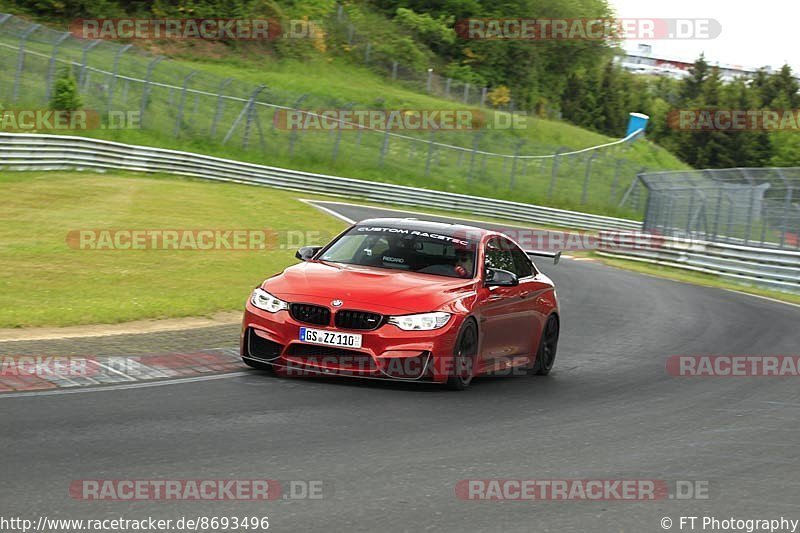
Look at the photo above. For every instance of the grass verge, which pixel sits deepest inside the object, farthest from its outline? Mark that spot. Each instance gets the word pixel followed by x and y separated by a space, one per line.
pixel 45 281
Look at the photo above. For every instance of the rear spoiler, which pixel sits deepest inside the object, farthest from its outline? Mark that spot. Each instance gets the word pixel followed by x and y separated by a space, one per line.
pixel 555 256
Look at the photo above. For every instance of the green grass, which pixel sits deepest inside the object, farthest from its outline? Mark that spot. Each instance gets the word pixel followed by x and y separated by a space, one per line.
pixel 696 278
pixel 45 282
pixel 334 83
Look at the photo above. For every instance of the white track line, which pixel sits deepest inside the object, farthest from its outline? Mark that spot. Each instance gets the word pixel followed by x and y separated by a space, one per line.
pixel 125 386
pixel 330 211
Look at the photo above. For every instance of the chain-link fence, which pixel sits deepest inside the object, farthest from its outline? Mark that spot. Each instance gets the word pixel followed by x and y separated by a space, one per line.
pixel 232 117
pixel 749 206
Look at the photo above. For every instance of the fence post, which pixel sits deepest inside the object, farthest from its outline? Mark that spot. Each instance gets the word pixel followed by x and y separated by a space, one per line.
pixel 430 154
pixel 179 117
pixel 245 110
pixel 586 177
pixel 51 68
pixel 428 82
pixel 517 150
pixel 476 139
pixel 394 71
pixel 112 86
pixel 367 51
pixel 21 60
pixel 466 92
pixel 787 206
pixel 293 133
pixel 554 174
pixel 384 146
pixel 220 106
pixel 447 87
pixel 146 89
pixel 615 181
pixel 483 96
pixel 85 60
pixel 751 206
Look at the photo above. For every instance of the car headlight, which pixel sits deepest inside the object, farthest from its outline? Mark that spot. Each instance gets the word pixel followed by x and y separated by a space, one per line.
pixel 423 322
pixel 264 300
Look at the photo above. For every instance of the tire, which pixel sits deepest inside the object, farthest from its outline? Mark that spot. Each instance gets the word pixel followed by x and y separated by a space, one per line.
pixel 548 345
pixel 465 357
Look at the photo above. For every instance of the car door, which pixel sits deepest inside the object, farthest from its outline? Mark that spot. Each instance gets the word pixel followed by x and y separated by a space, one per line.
pixel 531 315
pixel 499 307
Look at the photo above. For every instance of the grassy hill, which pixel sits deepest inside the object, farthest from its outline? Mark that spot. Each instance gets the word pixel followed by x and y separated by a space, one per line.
pixel 329 81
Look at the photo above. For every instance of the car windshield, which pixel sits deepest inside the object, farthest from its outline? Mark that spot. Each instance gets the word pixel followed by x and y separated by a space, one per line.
pixel 406 249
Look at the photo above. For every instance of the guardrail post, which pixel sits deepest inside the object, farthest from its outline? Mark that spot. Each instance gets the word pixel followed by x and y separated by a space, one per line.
pixel 114 73
pixel 586 175
pixel 51 67
pixel 21 60
pixel 179 116
pixel 84 62
pixel 146 89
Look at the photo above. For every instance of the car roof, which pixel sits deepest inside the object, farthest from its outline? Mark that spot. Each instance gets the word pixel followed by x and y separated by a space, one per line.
pixel 426 226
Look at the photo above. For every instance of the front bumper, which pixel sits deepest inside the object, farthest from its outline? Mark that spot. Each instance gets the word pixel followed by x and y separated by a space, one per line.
pixel 386 352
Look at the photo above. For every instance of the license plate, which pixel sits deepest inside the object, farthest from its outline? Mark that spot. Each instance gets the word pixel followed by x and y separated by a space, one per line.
pixel 330 338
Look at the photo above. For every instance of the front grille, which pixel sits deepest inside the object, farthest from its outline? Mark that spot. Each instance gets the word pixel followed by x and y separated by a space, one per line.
pixel 310 314
pixel 261 348
pixel 331 357
pixel 348 319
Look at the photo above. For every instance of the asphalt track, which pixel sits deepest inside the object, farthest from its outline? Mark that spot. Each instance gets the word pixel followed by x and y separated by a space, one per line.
pixel 390 455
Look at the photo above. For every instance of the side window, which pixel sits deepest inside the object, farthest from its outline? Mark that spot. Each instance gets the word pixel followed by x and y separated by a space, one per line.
pixel 499 256
pixel 524 267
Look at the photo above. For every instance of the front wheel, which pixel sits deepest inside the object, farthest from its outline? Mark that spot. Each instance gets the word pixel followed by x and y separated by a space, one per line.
pixel 465 357
pixel 546 356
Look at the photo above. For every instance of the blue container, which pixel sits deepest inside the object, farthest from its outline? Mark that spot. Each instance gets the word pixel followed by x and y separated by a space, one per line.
pixel 637 121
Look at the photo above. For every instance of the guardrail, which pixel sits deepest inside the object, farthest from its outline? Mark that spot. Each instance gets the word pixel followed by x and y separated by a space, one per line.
pixel 59 152
pixel 772 268
pixel 776 269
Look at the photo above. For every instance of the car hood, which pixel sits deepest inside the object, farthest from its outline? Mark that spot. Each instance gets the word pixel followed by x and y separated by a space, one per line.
pixel 366 288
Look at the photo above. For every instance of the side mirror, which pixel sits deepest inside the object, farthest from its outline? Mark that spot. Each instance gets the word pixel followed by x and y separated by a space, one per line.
pixel 307 252
pixel 496 277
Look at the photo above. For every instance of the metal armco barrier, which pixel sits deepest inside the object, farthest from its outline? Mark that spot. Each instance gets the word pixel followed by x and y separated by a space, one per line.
pixel 57 152
pixel 771 268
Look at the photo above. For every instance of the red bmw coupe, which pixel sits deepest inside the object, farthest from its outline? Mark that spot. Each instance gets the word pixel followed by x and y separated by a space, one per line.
pixel 409 300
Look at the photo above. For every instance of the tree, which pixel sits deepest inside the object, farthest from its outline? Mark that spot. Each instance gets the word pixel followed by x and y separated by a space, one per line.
pixel 65 92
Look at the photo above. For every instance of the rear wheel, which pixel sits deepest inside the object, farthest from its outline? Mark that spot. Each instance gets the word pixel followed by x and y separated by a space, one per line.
pixel 465 357
pixel 546 356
